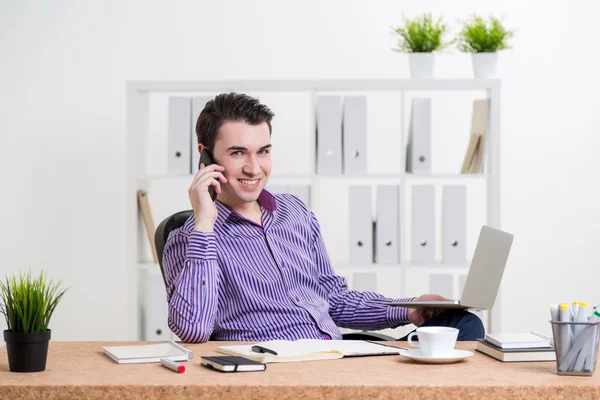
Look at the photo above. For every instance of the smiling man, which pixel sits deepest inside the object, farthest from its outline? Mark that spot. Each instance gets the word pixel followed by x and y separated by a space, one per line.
pixel 252 266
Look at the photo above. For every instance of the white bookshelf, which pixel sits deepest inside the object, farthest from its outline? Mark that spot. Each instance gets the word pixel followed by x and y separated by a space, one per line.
pixel 162 185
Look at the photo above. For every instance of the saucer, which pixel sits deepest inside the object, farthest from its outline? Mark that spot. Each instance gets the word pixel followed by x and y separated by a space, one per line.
pixel 455 356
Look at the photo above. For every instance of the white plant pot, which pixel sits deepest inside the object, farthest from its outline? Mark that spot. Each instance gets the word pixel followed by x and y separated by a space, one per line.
pixel 421 64
pixel 484 64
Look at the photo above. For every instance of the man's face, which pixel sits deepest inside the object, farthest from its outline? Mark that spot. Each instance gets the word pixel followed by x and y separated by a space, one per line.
pixel 244 151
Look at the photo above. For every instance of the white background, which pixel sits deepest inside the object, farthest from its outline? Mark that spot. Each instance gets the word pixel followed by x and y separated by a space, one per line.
pixel 63 68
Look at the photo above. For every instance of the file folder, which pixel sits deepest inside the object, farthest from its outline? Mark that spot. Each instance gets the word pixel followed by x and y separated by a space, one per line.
pixel 454 221
pixel 387 229
pixel 366 282
pixel 154 305
pixel 355 134
pixel 361 225
pixel 302 191
pixel 418 150
pixel 329 135
pixel 198 104
pixel 442 284
pixel 423 224
pixel 179 146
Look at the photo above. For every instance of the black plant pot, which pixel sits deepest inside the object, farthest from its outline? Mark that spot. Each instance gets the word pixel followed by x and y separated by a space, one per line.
pixel 27 352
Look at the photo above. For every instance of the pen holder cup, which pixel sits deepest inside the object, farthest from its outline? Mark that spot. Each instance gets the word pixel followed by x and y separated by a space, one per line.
pixel 576 347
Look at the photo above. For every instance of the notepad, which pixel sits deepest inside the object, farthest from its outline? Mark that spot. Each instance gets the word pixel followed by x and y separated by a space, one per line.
pixel 308 350
pixel 148 353
pixel 516 340
pixel 232 364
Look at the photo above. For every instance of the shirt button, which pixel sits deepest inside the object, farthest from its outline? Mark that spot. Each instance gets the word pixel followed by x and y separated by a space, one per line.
pixel 203 283
pixel 298 299
pixel 203 246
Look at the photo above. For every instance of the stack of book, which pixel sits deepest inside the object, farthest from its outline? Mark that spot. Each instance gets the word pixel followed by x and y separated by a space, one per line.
pixel 510 347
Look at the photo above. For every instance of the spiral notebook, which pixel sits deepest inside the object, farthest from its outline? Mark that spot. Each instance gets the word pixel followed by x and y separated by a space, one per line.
pixel 148 353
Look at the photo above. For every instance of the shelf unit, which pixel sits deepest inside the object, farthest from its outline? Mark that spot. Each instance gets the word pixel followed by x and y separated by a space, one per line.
pixel 138 99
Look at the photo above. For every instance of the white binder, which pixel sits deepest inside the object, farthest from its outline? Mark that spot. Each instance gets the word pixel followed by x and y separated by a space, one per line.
pixel 442 284
pixel 355 134
pixel 454 221
pixel 387 232
pixel 418 150
pixel 179 147
pixel 154 308
pixel 198 104
pixel 365 282
pixel 302 191
pixel 361 225
pixel 329 135
pixel 423 224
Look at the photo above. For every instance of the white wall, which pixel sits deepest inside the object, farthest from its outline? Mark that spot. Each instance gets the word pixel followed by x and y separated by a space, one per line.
pixel 62 142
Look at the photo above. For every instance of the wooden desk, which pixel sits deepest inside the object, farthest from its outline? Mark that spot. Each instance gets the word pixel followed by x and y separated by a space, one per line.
pixel 81 370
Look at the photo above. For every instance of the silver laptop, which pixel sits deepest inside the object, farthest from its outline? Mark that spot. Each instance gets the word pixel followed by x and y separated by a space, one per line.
pixel 485 274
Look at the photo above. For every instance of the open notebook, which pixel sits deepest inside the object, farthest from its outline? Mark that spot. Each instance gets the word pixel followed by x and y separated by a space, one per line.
pixel 148 353
pixel 308 350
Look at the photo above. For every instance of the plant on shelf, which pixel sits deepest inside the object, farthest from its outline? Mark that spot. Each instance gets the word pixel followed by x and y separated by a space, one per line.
pixel 420 37
pixel 484 39
pixel 28 305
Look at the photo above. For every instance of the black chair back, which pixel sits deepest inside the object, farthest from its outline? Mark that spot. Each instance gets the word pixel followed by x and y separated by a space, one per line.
pixel 161 235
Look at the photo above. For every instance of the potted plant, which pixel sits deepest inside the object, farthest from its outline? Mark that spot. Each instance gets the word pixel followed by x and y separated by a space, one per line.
pixel 420 37
pixel 27 305
pixel 484 40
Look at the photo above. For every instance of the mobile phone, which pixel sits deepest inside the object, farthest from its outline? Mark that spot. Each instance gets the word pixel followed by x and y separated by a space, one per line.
pixel 207 159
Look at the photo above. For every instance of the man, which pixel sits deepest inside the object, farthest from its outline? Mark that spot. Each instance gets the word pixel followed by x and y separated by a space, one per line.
pixel 252 266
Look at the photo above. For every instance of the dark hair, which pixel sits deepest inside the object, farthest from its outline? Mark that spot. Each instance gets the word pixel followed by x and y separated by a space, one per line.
pixel 228 107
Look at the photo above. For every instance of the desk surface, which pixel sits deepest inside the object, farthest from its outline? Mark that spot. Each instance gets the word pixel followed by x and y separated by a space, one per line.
pixel 80 369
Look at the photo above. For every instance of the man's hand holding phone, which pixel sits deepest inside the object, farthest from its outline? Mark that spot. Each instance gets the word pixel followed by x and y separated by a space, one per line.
pixel 205 210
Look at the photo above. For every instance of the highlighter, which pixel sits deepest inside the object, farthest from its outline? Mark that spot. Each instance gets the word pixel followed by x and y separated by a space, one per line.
pixel 172 365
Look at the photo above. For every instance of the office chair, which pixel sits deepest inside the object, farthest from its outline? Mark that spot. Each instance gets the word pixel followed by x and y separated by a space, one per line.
pixel 177 220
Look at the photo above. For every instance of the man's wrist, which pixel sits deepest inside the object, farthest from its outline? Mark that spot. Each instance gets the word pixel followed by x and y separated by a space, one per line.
pixel 204 226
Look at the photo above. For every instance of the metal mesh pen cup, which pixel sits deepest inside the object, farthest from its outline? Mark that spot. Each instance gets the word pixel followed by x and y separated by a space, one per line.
pixel 576 347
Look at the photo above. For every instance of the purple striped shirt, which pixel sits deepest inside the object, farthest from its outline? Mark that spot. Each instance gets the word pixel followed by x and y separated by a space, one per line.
pixel 252 283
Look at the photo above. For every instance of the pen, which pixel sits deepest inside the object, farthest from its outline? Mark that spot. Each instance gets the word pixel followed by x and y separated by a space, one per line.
pixel 574 311
pixel 581 317
pixel 566 335
pixel 554 312
pixel 260 349
pixel 172 365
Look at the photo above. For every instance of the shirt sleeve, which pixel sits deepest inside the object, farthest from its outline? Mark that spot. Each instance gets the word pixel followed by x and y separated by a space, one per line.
pixel 350 308
pixel 192 276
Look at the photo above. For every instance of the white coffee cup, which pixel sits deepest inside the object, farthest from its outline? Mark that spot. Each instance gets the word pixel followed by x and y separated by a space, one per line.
pixel 435 341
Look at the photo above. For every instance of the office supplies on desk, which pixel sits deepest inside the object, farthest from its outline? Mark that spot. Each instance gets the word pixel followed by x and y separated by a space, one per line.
pixel 576 340
pixel 148 353
pixel 172 365
pixel 232 364
pixel 484 277
pixel 516 340
pixel 308 350
pixel 516 354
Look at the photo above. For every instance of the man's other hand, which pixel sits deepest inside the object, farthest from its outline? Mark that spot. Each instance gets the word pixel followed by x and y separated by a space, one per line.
pixel 419 316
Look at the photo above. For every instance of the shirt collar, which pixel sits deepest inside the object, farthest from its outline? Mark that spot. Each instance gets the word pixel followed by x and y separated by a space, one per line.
pixel 266 200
